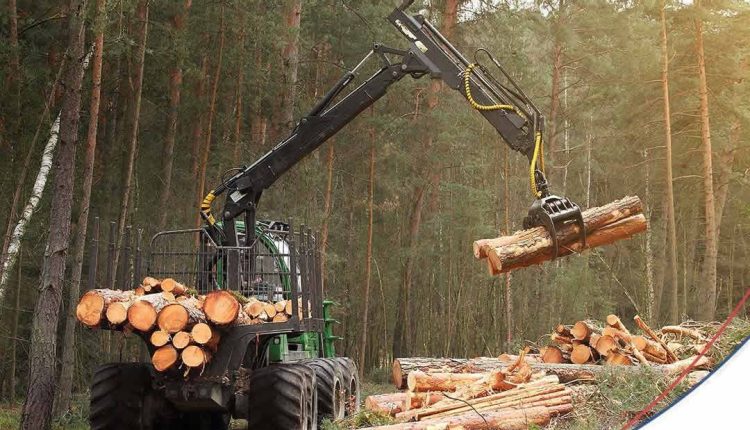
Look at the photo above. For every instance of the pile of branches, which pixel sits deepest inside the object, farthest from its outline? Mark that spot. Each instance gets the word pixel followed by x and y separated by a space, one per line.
pixel 591 342
pixel 184 327
pixel 509 396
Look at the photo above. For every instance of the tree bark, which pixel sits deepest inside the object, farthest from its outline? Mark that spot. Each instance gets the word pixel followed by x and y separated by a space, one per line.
pixel 327 207
pixel 175 87
pixel 368 257
pixel 237 153
pixel 707 307
pixel 284 118
pixel 142 12
pixel 65 390
pixel 206 149
pixel 14 336
pixel 669 196
pixel 37 408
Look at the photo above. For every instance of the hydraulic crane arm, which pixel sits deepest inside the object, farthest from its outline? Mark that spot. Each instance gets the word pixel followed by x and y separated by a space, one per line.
pixel 505 106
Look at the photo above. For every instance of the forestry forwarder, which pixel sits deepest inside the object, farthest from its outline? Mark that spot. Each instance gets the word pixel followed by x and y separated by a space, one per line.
pixel 284 375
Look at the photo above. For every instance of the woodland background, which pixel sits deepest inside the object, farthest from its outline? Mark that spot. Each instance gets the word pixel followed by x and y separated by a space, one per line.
pixel 191 90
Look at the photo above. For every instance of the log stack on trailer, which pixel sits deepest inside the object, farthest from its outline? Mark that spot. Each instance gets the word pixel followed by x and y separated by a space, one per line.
pixel 183 326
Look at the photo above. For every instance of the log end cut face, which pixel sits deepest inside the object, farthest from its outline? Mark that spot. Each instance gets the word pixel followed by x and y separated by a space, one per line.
pixel 221 307
pixel 89 310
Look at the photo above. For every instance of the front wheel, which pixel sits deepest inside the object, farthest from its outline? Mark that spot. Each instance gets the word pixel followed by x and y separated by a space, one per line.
pixel 122 398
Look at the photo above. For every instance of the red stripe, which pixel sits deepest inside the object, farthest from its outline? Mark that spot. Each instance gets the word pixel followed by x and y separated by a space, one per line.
pixel 685 372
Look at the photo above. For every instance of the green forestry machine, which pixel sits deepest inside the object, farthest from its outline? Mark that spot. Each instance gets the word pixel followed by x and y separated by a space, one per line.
pixel 285 375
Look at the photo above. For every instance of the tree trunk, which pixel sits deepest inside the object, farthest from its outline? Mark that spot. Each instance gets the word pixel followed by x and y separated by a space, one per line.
pixel 650 295
pixel 14 335
pixel 37 408
pixel 284 118
pixel 65 390
pixel 175 86
pixel 200 92
pixel 5 254
pixel 327 206
pixel 707 308
pixel 368 258
pixel 211 113
pixel 142 12
pixel 669 196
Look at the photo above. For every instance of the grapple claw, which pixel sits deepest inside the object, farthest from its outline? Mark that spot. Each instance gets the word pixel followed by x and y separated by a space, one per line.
pixel 552 212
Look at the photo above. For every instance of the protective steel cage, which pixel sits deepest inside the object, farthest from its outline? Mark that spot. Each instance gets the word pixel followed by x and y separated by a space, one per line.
pixel 280 264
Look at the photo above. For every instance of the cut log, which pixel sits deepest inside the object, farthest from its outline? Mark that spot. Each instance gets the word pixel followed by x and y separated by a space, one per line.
pixel 221 307
pixel 168 296
pixel 280 306
pixel 615 358
pixel 646 329
pixel 143 312
pixel 159 338
pixel 150 284
pixel 202 333
pixel 552 354
pixel 703 363
pixel 604 225
pixel 389 404
pixel 420 382
pixel 173 318
pixel 117 312
pixel 560 339
pixel 581 354
pixel 164 358
pixel 288 308
pixel 542 387
pixel 605 345
pixel 195 356
pixel 594 339
pixel 92 305
pixel 181 340
pixel 562 330
pixel 270 310
pixel 253 307
pixel 281 317
pixel 519 419
pixel 650 348
pixel 684 331
pixel 581 331
pixel 421 400
pixel 173 287
pixel 139 291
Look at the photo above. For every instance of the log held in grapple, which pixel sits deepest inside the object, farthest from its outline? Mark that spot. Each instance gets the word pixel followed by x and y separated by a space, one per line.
pixel 604 225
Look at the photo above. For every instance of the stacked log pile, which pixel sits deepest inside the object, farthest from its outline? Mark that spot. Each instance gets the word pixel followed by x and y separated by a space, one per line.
pixel 509 396
pixel 604 225
pixel 478 392
pixel 611 342
pixel 184 327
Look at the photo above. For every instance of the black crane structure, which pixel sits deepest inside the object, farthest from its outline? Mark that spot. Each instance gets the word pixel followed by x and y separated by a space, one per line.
pixel 503 104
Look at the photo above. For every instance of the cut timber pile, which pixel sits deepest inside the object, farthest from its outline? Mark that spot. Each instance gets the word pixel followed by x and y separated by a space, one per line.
pixel 511 395
pixel 604 225
pixel 185 328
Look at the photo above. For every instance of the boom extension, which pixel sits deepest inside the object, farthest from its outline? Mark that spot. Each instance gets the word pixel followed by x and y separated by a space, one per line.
pixel 505 106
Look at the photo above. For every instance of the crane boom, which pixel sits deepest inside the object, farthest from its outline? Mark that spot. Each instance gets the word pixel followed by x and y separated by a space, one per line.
pixel 504 105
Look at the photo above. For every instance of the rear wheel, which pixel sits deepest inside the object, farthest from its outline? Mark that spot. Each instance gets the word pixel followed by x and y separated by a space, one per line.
pixel 122 398
pixel 282 396
pixel 331 398
pixel 350 383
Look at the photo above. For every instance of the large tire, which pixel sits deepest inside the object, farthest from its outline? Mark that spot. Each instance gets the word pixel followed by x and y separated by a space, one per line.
pixel 122 398
pixel 278 398
pixel 311 392
pixel 350 383
pixel 331 399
